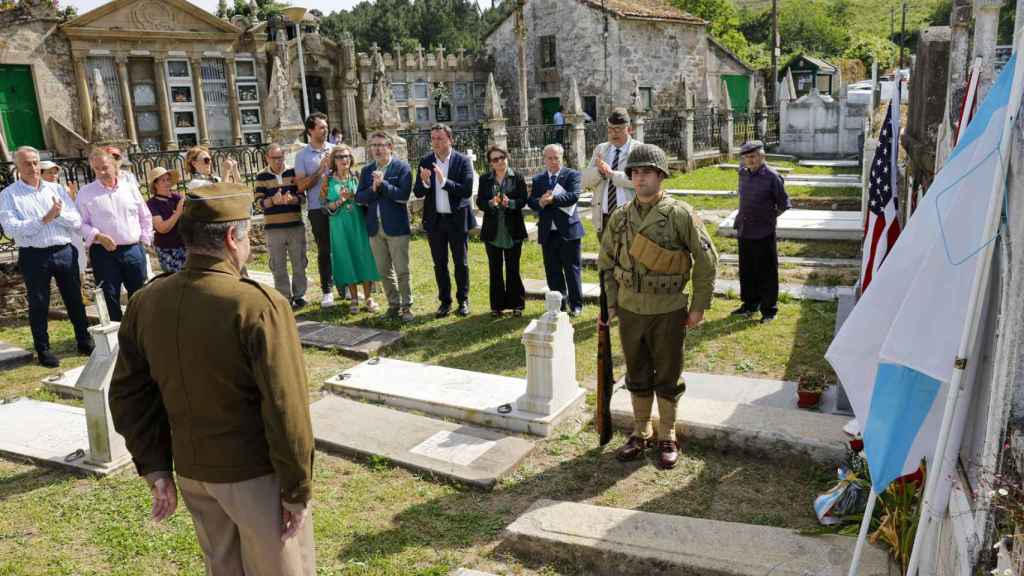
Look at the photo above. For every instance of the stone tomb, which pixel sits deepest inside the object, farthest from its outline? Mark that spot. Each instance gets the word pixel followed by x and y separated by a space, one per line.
pixel 12 356
pixel 66 436
pixel 809 225
pixel 349 340
pixel 535 405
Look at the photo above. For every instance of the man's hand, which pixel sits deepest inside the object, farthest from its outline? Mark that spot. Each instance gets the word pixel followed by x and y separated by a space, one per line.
pixel 425 176
pixel 694 318
pixel 325 163
pixel 291 522
pixel 290 198
pixel 277 199
pixel 54 211
pixel 230 164
pixel 611 316
pixel 546 199
pixel 106 241
pixel 604 168
pixel 439 173
pixel 165 498
pixel 378 179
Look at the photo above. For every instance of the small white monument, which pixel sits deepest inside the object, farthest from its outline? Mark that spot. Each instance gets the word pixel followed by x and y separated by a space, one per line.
pixel 550 360
pixel 106 446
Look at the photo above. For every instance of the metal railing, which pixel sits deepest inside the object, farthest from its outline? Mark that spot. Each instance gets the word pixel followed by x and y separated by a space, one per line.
pixel 744 127
pixel 667 133
pixel 706 130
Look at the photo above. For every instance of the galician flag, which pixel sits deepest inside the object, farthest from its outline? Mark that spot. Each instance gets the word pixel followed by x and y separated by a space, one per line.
pixel 895 354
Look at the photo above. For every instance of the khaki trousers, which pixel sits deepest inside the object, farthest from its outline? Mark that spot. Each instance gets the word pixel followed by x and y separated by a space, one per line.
pixel 653 347
pixel 238 525
pixel 392 256
pixel 286 244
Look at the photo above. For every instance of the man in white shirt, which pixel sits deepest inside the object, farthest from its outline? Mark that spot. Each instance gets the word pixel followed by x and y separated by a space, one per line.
pixel 613 189
pixel 42 220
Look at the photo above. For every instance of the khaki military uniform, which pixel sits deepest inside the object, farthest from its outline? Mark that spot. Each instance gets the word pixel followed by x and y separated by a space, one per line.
pixel 210 382
pixel 648 255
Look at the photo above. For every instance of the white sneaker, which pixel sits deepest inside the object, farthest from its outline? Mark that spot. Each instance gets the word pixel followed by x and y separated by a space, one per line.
pixel 328 300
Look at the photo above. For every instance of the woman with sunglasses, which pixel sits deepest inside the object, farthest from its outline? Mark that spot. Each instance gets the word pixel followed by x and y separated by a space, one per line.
pixel 199 165
pixel 166 206
pixel 352 261
pixel 502 196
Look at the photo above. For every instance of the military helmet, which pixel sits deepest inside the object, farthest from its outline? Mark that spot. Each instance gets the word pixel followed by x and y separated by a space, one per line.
pixel 647 155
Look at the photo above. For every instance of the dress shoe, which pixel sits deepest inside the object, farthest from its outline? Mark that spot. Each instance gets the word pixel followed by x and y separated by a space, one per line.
pixel 86 348
pixel 443 310
pixel 575 312
pixel 299 303
pixel 463 309
pixel 406 315
pixel 632 449
pixel 48 359
pixel 743 311
pixel 668 454
pixel 767 319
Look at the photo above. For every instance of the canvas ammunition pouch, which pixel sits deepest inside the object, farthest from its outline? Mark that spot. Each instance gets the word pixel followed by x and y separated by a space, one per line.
pixel 649 283
pixel 658 259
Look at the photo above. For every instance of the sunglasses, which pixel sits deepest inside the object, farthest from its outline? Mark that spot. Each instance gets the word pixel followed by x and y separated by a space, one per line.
pixel 498 159
pixel 342 156
pixel 205 160
pixel 275 157
pixel 116 156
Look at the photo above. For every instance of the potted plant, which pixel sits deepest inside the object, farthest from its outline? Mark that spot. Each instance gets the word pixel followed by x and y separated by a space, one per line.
pixel 809 389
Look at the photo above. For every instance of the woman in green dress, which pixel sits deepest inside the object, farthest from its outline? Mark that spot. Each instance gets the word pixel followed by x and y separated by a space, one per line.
pixel 352 261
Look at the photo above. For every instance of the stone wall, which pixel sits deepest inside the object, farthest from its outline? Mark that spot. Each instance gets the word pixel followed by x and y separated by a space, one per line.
pixel 656 52
pixel 31 37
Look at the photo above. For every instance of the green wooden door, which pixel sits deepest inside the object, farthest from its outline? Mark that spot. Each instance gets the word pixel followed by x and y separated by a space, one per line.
pixel 18 109
pixel 739 91
pixel 548 108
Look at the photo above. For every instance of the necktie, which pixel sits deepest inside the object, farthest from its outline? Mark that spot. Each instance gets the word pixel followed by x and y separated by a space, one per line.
pixel 551 181
pixel 613 194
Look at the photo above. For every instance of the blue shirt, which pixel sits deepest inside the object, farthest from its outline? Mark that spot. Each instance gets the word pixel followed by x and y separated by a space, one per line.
pixel 307 161
pixel 22 208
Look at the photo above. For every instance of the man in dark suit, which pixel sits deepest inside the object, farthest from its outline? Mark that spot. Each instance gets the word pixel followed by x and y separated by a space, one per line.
pixel 384 187
pixel 554 195
pixel 445 180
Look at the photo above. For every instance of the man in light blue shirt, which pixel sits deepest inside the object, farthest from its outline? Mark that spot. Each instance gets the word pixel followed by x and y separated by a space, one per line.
pixel 42 219
pixel 311 168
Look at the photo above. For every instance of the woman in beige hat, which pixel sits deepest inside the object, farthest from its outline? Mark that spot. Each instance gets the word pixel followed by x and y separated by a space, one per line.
pixel 166 205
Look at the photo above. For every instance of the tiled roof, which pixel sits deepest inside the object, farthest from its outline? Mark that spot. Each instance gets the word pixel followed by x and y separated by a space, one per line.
pixel 644 10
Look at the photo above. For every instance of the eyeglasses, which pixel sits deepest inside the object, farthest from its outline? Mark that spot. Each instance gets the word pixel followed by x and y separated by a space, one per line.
pixel 205 160
pixel 275 157
pixel 379 145
pixel 343 157
pixel 498 159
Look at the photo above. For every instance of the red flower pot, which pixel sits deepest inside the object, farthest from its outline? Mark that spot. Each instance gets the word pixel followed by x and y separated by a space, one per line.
pixel 807 398
pixel 857 444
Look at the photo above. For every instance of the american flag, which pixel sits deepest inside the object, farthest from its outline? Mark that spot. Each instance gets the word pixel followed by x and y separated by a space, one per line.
pixel 882 227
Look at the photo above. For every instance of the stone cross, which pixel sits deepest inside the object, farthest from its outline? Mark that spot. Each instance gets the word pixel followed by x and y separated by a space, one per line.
pixel 550 360
pixel 106 446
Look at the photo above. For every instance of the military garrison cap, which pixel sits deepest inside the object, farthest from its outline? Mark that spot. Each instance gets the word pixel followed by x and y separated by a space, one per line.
pixel 220 202
pixel 647 155
pixel 751 146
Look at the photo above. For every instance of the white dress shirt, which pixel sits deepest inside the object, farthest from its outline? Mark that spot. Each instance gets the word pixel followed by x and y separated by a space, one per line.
pixel 621 196
pixel 23 207
pixel 441 197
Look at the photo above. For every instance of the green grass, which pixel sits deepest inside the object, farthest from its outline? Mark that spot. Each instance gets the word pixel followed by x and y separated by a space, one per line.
pixel 372 518
pixel 714 178
pixel 801 248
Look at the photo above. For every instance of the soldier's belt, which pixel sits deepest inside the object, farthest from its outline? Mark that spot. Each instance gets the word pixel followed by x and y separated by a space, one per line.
pixel 657 259
pixel 649 283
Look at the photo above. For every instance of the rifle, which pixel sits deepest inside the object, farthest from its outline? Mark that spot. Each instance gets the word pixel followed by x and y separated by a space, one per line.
pixel 605 376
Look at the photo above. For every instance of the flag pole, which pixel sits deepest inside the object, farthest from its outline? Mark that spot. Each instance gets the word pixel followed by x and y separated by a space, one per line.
pixel 862 536
pixel 969 336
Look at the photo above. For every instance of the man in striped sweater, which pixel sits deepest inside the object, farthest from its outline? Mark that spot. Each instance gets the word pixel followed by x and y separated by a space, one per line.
pixel 277 194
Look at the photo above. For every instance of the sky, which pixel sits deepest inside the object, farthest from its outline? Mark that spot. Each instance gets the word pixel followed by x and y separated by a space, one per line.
pixel 325 6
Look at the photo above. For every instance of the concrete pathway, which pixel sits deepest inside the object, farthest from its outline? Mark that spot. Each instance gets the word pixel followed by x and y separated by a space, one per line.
pixel 12 356
pixel 689 192
pixel 591 291
pixel 800 224
pixel 830 163
pixel 590 261
pixel 612 541
pixel 468 454
pixel 730 166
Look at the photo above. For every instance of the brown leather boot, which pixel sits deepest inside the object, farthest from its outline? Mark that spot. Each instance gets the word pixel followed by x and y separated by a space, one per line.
pixel 668 454
pixel 633 449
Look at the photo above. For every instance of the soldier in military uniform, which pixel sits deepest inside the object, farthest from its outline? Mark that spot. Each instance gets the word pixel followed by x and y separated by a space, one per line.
pixel 210 383
pixel 651 248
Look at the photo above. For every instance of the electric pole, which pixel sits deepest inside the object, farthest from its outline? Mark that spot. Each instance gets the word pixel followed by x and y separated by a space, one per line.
pixel 903 32
pixel 775 52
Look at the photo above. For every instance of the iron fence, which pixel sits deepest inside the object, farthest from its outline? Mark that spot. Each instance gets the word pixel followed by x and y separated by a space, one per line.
pixel 771 136
pixel 744 127
pixel 595 134
pixel 706 130
pixel 417 142
pixel 666 133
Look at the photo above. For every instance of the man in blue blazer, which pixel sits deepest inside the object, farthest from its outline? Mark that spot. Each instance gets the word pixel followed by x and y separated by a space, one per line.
pixel 554 196
pixel 384 187
pixel 445 181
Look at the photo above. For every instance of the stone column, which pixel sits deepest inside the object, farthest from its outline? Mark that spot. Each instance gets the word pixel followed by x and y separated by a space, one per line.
pixel 726 122
pixel 349 90
pixel 197 88
pixel 496 123
pixel 236 117
pixel 126 99
pixel 688 127
pixel 638 126
pixel 84 98
pixel 578 130
pixel 166 123
pixel 986 29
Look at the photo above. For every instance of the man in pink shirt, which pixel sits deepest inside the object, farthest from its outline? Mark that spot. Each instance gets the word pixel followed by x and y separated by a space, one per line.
pixel 115 224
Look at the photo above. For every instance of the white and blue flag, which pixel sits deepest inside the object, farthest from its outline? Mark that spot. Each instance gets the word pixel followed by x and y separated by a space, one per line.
pixel 895 354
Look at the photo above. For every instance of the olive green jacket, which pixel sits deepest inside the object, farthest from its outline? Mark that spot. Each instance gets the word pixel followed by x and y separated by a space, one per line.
pixel 210 374
pixel 674 226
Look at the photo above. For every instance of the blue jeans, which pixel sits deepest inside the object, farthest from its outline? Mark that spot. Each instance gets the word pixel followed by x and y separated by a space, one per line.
pixel 38 266
pixel 125 266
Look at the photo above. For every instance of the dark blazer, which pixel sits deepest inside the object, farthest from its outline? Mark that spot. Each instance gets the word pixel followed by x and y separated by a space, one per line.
pixel 513 214
pixel 392 197
pixel 569 227
pixel 458 186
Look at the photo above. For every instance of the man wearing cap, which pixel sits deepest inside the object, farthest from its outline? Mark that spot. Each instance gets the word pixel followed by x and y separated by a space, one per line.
pixel 653 245
pixel 234 431
pixel 115 224
pixel 42 220
pixel 762 199
pixel 612 188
